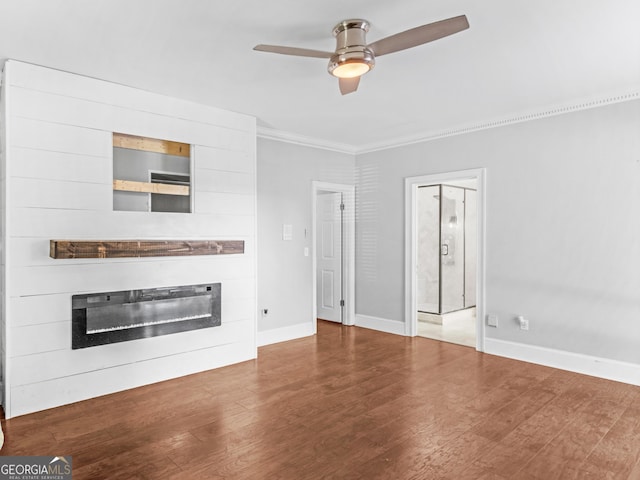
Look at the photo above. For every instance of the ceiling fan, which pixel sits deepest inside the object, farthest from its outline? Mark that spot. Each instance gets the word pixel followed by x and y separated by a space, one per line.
pixel 354 57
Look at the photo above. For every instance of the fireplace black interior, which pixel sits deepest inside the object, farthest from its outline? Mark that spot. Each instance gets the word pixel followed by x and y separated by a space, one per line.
pixel 109 317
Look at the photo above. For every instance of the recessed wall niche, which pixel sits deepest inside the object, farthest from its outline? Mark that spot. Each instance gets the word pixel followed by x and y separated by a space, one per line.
pixel 151 175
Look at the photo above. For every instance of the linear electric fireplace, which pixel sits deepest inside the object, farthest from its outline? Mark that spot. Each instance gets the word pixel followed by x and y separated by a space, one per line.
pixel 110 317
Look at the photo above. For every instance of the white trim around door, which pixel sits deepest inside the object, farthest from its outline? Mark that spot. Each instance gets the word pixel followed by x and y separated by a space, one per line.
pixel 348 248
pixel 411 241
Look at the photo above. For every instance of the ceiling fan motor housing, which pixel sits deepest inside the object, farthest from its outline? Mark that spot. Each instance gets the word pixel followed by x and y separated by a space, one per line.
pixel 351 48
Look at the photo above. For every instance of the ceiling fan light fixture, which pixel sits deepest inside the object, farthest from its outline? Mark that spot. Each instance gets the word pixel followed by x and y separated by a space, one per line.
pixel 353 56
pixel 351 64
pixel 351 70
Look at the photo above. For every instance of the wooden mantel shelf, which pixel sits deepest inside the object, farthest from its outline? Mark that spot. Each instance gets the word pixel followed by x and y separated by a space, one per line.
pixel 66 249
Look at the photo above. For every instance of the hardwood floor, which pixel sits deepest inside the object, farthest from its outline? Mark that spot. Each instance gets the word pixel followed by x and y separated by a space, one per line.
pixel 350 403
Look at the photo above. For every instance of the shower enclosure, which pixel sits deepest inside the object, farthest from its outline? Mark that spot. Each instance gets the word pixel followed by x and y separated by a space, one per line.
pixel 446 249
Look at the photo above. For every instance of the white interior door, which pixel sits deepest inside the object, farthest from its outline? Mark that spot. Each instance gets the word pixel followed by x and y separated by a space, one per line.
pixel 329 256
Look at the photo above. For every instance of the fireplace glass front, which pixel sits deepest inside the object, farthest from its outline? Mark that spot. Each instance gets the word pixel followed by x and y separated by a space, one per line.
pixel 109 317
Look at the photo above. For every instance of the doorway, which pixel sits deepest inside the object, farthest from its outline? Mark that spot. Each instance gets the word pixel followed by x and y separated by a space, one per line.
pixel 333 238
pixel 445 257
pixel 445 274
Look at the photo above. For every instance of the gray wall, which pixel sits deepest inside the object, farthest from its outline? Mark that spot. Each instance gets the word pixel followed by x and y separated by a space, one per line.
pixel 563 235
pixel 285 175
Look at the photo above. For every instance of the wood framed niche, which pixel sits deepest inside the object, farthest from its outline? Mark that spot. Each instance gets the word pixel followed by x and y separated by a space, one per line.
pixel 151 175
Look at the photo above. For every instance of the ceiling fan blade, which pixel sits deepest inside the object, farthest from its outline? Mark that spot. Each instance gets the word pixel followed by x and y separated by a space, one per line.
pixel 348 85
pixel 419 35
pixel 299 52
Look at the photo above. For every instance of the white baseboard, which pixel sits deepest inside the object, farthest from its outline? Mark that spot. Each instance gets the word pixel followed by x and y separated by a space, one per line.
pixel 277 335
pixel 573 362
pixel 380 324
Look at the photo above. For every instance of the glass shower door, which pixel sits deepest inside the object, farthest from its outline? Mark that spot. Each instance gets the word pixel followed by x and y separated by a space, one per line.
pixel 452 271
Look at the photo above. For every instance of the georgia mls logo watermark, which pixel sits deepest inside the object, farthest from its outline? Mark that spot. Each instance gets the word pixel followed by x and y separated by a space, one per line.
pixel 35 468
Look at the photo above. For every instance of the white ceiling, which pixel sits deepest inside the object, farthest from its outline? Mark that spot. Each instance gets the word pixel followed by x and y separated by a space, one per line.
pixel 517 58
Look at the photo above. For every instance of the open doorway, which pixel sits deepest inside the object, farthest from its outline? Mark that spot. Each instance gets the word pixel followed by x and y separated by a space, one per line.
pixel 445 260
pixel 333 240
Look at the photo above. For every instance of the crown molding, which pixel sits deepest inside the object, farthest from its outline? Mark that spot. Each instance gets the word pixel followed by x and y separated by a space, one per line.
pixel 549 111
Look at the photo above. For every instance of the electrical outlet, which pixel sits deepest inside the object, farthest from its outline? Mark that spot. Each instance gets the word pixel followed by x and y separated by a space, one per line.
pixel 492 320
pixel 524 323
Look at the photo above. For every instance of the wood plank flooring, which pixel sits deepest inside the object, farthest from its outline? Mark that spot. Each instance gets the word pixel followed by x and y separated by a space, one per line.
pixel 350 403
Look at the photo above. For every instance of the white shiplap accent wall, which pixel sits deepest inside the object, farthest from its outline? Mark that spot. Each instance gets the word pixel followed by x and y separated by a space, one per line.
pixel 56 184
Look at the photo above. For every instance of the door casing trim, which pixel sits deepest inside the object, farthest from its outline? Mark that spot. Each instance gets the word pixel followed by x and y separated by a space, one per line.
pixel 411 246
